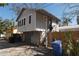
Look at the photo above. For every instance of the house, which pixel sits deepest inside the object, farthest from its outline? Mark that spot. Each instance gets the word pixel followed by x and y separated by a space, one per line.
pixel 34 24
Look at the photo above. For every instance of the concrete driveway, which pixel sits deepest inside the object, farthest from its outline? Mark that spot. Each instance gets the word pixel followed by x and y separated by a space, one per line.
pixel 20 49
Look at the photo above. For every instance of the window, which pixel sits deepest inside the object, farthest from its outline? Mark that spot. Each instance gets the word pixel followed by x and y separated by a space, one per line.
pixel 21 22
pixel 24 21
pixel 30 19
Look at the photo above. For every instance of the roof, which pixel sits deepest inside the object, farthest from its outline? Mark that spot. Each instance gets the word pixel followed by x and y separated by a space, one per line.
pixel 45 12
pixel 69 28
pixel 41 11
pixel 20 13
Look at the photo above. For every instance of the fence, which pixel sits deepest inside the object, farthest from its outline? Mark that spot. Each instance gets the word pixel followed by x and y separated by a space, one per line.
pixel 62 36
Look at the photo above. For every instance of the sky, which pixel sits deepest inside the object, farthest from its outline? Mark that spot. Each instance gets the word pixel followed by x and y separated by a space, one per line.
pixel 55 9
pixel 58 10
pixel 7 13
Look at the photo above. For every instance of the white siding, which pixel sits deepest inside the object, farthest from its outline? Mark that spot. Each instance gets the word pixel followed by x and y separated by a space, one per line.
pixel 27 26
pixel 41 21
pixel 38 21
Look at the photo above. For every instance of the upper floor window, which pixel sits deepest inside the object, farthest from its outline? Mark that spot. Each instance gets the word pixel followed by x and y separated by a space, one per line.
pixel 24 21
pixel 21 22
pixel 30 19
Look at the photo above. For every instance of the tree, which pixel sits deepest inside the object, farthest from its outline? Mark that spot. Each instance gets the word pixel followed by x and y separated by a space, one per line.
pixel 71 11
pixel 68 45
pixel 3 4
pixel 17 7
pixel 66 21
pixel 1 25
pixel 6 24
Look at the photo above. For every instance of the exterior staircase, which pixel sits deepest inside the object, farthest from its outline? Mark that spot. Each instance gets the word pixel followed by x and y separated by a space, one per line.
pixel 43 40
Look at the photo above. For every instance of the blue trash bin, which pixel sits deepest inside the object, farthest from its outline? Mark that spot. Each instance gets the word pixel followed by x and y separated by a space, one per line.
pixel 57 47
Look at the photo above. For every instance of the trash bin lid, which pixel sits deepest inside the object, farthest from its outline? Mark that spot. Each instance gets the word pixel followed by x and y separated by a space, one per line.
pixel 57 42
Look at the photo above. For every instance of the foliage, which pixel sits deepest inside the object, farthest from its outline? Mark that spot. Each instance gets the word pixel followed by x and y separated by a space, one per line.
pixel 66 21
pixel 32 6
pixel 70 46
pixel 1 25
pixel 3 4
pixel 5 24
pixel 68 43
pixel 71 11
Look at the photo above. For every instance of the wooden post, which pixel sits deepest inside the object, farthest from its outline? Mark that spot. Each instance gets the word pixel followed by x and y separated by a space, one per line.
pixel 46 34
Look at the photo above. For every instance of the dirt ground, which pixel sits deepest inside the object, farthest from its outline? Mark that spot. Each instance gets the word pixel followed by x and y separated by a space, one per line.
pixel 20 49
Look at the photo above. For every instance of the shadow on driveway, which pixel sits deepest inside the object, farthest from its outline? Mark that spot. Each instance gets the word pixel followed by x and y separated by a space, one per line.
pixel 4 44
pixel 41 51
pixel 45 52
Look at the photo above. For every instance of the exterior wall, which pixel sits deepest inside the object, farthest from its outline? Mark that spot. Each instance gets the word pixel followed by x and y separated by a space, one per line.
pixel 41 21
pixel 27 37
pixel 35 38
pixel 32 37
pixel 27 26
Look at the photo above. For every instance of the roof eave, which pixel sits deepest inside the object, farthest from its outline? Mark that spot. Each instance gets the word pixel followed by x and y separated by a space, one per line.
pixel 20 14
pixel 49 14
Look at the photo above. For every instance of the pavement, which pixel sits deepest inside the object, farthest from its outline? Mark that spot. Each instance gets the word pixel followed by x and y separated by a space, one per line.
pixel 20 49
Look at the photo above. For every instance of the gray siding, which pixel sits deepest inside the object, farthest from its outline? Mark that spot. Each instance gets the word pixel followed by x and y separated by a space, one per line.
pixel 41 21
pixel 27 26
